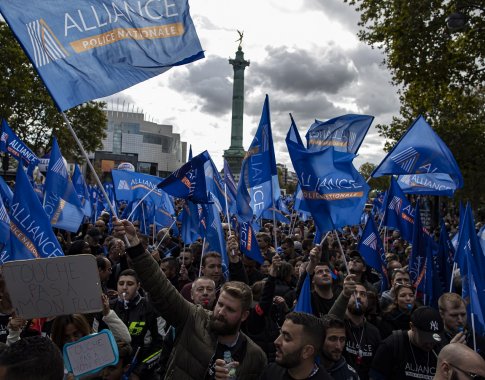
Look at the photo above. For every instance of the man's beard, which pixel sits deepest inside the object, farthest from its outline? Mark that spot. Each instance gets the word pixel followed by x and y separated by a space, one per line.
pixel 220 326
pixel 358 311
pixel 290 360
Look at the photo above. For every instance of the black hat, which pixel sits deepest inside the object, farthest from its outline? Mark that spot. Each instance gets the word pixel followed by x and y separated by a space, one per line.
pixel 428 321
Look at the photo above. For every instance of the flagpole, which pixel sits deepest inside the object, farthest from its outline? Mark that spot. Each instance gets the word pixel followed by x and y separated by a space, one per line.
pixel 166 233
pixel 141 200
pixel 98 181
pixel 154 229
pixel 227 212
pixel 342 250
pixel 201 256
pixel 474 332
pixel 325 237
pixel 144 219
pixel 452 276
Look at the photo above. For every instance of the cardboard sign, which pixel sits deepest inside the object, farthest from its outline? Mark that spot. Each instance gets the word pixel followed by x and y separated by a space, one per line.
pixel 54 286
pixel 91 353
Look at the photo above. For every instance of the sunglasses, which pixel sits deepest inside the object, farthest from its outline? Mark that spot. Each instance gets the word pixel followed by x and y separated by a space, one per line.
pixel 470 375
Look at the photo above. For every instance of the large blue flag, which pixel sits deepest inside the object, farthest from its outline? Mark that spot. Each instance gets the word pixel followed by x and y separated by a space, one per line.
pixel 86 50
pixel 61 202
pixel 345 133
pixel 304 303
pixel 476 305
pixel 427 184
pixel 189 182
pixel 399 213
pixel 372 250
pixel 82 191
pixel 259 174
pixel 420 151
pixel 333 189
pixel 31 234
pixel 11 144
pixel 248 242
pixel 6 194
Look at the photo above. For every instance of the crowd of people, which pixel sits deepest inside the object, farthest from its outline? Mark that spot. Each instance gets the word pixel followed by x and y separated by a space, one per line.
pixel 177 312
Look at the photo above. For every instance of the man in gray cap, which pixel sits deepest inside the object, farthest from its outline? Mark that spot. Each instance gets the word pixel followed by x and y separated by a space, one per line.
pixel 410 354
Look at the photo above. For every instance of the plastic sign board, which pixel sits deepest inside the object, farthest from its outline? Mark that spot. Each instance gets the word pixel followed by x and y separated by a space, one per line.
pixel 91 353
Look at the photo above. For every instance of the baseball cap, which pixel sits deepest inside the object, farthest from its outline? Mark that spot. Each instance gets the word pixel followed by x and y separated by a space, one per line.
pixel 429 323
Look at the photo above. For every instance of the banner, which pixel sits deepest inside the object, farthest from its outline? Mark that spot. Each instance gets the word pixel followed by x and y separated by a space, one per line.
pixel 86 50
pixel 345 133
pixel 427 184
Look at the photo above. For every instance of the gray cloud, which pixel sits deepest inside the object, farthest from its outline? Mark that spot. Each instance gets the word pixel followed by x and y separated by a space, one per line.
pixel 336 10
pixel 300 71
pixel 209 82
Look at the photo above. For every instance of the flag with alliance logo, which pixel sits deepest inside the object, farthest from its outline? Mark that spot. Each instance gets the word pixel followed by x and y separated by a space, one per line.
pixel 86 50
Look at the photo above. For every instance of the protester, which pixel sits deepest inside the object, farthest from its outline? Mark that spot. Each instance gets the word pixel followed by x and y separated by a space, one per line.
pixel 453 312
pixel 362 338
pixel 146 327
pixel 457 361
pixel 397 316
pixel 333 348
pixel 297 347
pixel 205 338
pixel 32 358
pixel 410 354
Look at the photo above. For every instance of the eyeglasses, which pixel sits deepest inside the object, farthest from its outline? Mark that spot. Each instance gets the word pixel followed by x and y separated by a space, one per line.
pixel 470 375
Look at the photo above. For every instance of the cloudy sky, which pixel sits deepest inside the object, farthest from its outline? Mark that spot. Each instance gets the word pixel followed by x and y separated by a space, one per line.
pixel 303 53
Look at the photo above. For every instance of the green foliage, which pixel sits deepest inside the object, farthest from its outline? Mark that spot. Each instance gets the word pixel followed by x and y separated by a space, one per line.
pixel 440 75
pixel 31 113
pixel 380 183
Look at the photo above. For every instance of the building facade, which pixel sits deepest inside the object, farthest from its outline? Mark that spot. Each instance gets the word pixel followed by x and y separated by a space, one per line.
pixel 152 148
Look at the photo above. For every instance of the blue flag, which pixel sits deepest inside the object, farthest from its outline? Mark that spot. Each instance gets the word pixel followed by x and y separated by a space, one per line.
pixel 84 50
pixel 31 234
pixel 259 174
pixel 345 133
pixel 372 250
pixel 399 213
pixel 231 187
pixel 6 194
pixel 132 186
pixel 82 191
pixel 214 235
pixel 165 212
pixel 422 249
pixel 481 237
pixel 189 216
pixel 5 249
pixel 11 144
pixel 420 151
pixel 445 256
pixel 304 303
pixel 427 184
pixel 333 189
pixel 215 186
pixel 190 152
pixel 61 202
pixel 189 182
pixel 476 305
pixel 248 242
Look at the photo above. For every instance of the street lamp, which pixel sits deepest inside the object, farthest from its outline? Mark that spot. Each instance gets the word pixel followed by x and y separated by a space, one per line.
pixel 458 21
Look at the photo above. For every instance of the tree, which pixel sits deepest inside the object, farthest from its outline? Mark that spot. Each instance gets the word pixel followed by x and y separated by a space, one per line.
pixel 440 75
pixel 31 113
pixel 380 183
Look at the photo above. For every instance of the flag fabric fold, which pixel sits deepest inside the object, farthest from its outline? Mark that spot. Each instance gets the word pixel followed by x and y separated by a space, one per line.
pixel 427 184
pixel 344 133
pixel 189 181
pixel 372 250
pixel 304 303
pixel 82 191
pixel 398 212
pixel 31 234
pixel 61 202
pixel 333 189
pixel 86 50
pixel 420 151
